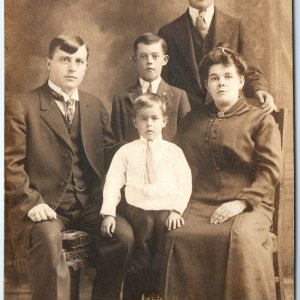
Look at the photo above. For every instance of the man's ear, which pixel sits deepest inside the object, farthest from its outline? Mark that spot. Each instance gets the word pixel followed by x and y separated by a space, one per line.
pixel 166 59
pixel 48 62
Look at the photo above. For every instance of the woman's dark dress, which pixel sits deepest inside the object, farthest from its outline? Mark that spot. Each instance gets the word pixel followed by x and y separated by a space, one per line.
pixel 236 155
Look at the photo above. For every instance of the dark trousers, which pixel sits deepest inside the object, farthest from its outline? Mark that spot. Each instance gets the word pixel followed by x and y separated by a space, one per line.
pixel 48 270
pixel 144 271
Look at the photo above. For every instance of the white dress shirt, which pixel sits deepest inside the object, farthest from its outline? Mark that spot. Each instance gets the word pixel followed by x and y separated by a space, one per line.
pixel 154 85
pixel 173 187
pixel 58 90
pixel 209 13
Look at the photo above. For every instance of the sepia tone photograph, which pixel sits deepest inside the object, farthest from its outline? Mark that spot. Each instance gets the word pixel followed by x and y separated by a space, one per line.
pixel 149 150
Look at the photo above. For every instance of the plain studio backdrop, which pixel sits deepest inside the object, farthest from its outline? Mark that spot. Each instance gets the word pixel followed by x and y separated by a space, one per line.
pixel 110 27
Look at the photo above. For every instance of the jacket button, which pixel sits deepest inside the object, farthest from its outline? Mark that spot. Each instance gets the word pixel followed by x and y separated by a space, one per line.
pixel 62 183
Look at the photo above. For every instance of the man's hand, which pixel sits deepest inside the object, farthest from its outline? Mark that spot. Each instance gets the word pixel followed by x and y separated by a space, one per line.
pixel 267 101
pixel 108 226
pixel 227 211
pixel 41 212
pixel 175 220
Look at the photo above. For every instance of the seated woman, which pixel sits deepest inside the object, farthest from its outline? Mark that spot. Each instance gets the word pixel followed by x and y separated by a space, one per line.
pixel 224 250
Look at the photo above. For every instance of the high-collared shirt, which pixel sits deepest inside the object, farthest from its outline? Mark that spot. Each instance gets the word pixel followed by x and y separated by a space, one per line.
pixel 194 13
pixel 58 90
pixel 154 85
pixel 172 189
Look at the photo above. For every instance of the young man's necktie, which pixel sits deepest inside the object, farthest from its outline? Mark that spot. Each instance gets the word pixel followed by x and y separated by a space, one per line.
pixel 150 167
pixel 201 23
pixel 68 105
pixel 149 88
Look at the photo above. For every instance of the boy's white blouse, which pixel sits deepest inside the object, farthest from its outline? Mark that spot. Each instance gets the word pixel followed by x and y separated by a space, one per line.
pixel 174 181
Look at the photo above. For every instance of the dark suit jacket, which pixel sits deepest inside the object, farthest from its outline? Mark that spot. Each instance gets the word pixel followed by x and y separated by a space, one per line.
pixel 121 116
pixel 39 156
pixel 182 70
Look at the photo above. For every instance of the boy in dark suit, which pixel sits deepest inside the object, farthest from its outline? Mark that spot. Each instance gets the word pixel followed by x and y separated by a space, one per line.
pixel 193 35
pixel 150 56
pixel 57 144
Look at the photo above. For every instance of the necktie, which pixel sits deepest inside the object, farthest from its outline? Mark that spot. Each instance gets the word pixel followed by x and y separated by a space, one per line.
pixel 201 24
pixel 150 167
pixel 68 105
pixel 149 88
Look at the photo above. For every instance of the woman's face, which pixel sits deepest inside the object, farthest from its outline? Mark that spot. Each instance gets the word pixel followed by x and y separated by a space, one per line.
pixel 224 84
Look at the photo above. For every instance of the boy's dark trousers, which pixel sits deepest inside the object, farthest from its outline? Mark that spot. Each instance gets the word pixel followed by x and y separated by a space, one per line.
pixel 149 228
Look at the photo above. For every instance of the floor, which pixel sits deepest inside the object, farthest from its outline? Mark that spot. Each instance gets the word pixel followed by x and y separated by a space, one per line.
pixel 17 288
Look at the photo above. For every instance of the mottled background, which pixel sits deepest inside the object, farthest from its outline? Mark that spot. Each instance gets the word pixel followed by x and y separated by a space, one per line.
pixel 110 27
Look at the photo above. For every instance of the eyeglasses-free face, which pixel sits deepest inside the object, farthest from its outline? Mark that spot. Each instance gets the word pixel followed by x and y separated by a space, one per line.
pixel 224 84
pixel 150 60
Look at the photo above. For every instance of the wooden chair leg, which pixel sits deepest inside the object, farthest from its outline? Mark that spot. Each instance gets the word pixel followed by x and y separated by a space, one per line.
pixel 74 283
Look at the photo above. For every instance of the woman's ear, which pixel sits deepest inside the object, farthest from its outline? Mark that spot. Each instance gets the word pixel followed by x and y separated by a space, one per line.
pixel 134 122
pixel 206 85
pixel 242 82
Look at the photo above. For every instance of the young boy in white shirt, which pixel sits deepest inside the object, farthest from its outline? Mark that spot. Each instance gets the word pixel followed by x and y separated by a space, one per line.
pixel 158 186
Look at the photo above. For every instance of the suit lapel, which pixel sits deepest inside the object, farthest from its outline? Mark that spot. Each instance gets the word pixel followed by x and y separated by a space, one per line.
pixel 184 37
pixel 164 91
pixel 223 28
pixel 50 113
pixel 134 92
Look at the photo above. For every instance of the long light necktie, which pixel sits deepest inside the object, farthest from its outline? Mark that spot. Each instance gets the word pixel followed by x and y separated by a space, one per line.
pixel 69 109
pixel 150 166
pixel 201 23
pixel 149 88
pixel 68 105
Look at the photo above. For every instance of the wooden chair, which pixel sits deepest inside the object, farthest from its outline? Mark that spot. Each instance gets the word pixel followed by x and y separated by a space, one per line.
pixel 281 118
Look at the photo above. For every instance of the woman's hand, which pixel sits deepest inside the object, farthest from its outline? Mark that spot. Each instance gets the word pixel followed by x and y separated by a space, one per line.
pixel 227 211
pixel 108 226
pixel 175 220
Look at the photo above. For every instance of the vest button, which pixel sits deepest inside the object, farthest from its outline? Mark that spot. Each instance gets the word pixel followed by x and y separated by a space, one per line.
pixel 62 183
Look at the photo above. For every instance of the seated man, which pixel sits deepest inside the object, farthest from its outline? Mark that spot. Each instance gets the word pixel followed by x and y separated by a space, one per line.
pixel 57 144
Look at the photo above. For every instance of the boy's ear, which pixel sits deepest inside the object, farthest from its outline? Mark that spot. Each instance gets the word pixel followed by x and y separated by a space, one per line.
pixel 205 83
pixel 166 59
pixel 133 58
pixel 134 122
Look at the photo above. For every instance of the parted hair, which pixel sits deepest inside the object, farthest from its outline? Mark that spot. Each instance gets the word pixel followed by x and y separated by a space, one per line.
pixel 148 100
pixel 67 43
pixel 150 38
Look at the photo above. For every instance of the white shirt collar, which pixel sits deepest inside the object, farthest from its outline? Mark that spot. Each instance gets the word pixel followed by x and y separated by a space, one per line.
pixel 58 90
pixel 156 140
pixel 194 13
pixel 145 85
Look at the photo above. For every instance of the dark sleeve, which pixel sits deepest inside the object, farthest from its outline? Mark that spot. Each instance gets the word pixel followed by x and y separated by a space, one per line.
pixel 109 141
pixel 117 119
pixel 18 193
pixel 268 162
pixel 254 77
pixel 184 106
pixel 166 70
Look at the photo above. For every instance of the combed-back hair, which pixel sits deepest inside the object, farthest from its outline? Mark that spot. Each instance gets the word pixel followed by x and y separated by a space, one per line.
pixel 150 38
pixel 148 100
pixel 67 43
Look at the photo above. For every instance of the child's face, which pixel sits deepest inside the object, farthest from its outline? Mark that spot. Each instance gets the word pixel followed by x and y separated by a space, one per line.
pixel 150 121
pixel 150 60
pixel 224 84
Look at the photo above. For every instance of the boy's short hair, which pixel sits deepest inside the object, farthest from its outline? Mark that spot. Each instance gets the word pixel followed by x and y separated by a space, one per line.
pixel 149 38
pixel 147 101
pixel 67 43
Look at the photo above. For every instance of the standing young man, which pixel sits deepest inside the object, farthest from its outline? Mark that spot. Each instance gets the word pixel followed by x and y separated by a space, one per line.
pixel 193 35
pixel 58 142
